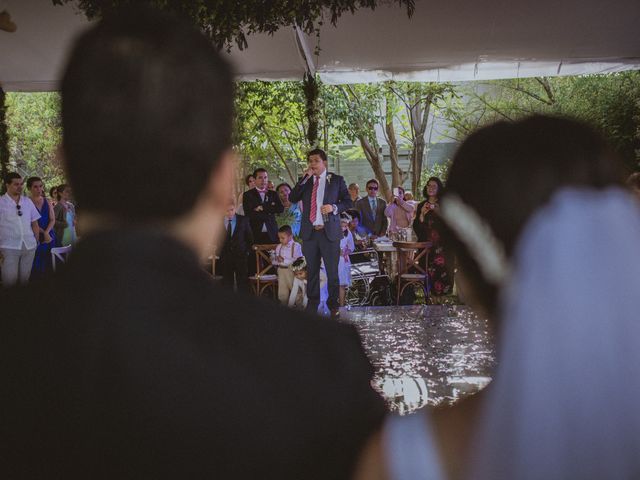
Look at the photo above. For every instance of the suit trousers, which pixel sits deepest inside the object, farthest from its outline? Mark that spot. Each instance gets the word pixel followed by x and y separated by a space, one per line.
pixel 315 249
pixel 234 267
pixel 16 266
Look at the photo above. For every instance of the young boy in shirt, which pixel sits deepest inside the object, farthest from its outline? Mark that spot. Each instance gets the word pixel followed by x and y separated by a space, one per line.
pixel 286 252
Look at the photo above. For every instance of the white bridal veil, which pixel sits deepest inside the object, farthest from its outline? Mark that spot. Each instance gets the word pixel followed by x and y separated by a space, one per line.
pixel 565 402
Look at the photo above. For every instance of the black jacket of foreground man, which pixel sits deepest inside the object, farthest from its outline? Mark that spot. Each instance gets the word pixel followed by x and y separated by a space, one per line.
pixel 133 365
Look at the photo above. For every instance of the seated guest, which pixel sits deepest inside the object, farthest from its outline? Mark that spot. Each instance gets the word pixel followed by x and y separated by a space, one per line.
pixel 286 252
pixel 298 297
pixel 360 238
pixel 292 215
pixel 19 232
pixel 400 212
pixel 236 248
pixel 145 368
pixel 46 234
pixel 371 209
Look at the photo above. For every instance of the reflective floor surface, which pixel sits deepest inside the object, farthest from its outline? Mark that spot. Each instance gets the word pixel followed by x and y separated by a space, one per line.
pixel 423 355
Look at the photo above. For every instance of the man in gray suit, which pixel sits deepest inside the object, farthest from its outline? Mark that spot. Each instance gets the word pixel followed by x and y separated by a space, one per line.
pixel 371 210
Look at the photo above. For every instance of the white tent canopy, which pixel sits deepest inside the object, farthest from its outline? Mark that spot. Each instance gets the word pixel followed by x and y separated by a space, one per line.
pixel 452 40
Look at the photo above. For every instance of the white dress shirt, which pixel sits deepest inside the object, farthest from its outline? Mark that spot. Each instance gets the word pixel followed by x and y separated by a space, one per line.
pixel 322 180
pixel 15 230
pixel 262 194
pixel 289 252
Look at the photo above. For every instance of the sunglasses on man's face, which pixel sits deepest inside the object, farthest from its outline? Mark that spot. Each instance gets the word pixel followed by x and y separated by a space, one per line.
pixel 19 207
pixel 372 188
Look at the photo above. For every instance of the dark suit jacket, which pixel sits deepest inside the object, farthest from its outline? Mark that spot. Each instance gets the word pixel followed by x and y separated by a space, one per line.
pixel 378 226
pixel 241 239
pixel 335 193
pixel 271 205
pixel 140 367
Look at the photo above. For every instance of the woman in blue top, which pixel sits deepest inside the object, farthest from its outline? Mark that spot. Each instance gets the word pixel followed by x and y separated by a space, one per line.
pixel 292 215
pixel 46 236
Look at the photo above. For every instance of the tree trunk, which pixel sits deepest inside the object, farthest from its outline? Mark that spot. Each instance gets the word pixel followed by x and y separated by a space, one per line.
pixel 419 114
pixel 397 175
pixel 373 157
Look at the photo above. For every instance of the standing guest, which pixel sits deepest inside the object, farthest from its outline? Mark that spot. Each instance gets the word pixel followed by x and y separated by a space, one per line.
pixel 428 228
pixel 261 206
pixel 236 250
pixel 354 192
pixel 324 196
pixel 46 234
pixel 53 196
pixel 292 215
pixel 250 182
pixel 65 215
pixel 408 197
pixel 347 247
pixel 286 252
pixel 400 212
pixel 19 231
pixel 145 368
pixel 371 210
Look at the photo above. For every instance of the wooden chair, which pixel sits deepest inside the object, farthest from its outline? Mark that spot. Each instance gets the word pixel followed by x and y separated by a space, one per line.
pixel 264 278
pixel 59 254
pixel 213 258
pixel 412 266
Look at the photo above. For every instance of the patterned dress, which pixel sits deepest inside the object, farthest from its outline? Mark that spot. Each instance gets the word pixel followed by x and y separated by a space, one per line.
pixel 439 264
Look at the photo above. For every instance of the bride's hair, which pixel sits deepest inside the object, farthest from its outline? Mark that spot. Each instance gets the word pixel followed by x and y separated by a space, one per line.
pixel 505 172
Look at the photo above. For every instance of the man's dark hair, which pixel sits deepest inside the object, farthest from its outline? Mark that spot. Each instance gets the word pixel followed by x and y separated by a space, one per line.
pixel 507 171
pixel 32 180
pixel 9 177
pixel 318 151
pixel 259 170
pixel 285 229
pixel 147 105
pixel 247 178
pixel 354 213
pixel 373 180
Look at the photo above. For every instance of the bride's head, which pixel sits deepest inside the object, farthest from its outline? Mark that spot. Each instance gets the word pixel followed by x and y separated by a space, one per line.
pixel 499 177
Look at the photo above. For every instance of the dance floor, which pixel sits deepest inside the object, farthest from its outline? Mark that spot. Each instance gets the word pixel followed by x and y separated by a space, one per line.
pixel 425 354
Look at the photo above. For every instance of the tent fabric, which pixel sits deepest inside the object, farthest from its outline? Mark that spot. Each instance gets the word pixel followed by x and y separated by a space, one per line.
pixel 456 40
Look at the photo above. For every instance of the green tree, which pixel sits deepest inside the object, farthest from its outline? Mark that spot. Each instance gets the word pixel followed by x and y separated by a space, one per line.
pixel 35 133
pixel 610 103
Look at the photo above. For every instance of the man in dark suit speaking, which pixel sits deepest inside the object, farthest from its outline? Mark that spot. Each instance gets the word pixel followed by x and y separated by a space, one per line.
pixel 324 196
pixel 132 363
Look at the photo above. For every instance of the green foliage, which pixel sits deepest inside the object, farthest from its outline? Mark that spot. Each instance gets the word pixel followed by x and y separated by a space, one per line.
pixel 440 170
pixel 229 22
pixel 33 121
pixel 610 103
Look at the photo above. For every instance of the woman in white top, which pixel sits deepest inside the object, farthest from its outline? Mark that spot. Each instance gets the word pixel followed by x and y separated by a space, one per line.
pixel 530 207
